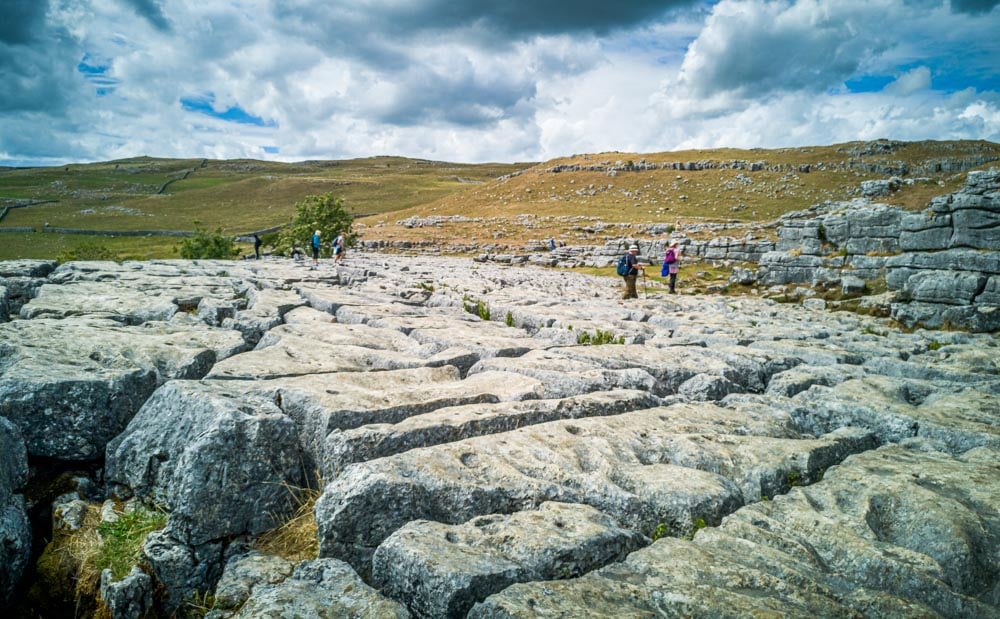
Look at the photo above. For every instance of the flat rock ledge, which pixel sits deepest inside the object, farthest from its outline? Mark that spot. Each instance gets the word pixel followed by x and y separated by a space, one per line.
pixel 477 456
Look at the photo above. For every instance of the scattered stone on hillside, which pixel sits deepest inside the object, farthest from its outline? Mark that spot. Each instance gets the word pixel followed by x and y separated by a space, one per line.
pixel 222 461
pixel 441 570
pixel 72 385
pixel 15 532
pixel 900 531
pixel 324 588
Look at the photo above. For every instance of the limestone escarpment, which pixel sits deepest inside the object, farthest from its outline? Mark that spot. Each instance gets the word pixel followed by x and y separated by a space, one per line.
pixel 943 263
pixel 478 457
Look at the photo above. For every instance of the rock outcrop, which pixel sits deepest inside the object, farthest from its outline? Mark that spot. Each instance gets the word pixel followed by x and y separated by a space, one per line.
pixel 495 441
pixel 943 264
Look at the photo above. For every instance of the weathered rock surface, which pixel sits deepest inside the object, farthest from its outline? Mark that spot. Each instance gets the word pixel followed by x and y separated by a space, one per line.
pixel 943 261
pixel 244 573
pixel 15 534
pixel 325 589
pixel 668 465
pixel 453 423
pixel 442 570
pixel 221 461
pixel 72 385
pixel 129 597
pixel 711 411
pixel 900 531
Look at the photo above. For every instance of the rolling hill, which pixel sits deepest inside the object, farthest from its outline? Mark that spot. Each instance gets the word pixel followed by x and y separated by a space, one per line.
pixel 573 198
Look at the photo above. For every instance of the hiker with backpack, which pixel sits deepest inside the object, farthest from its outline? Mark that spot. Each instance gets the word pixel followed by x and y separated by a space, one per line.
pixel 315 247
pixel 671 265
pixel 629 268
pixel 338 248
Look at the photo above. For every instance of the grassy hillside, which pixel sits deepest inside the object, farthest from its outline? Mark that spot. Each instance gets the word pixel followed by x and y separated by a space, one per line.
pixel 238 196
pixel 567 196
pixel 581 198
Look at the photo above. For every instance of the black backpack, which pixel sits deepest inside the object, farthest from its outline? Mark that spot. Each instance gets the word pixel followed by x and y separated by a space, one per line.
pixel 623 267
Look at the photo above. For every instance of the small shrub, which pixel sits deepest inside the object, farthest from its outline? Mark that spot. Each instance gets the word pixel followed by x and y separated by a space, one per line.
pixel 206 245
pixel 934 345
pixel 323 212
pixel 509 319
pixel 794 479
pixel 821 232
pixel 88 250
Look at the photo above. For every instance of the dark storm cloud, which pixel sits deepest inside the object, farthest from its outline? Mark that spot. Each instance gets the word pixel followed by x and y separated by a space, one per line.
pixel 151 11
pixel 22 21
pixel 511 18
pixel 36 59
pixel 974 6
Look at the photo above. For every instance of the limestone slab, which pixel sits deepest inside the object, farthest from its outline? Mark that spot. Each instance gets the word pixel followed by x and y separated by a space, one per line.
pixel 703 468
pixel 440 570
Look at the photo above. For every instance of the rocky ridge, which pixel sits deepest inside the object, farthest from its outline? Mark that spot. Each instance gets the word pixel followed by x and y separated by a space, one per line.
pixel 477 457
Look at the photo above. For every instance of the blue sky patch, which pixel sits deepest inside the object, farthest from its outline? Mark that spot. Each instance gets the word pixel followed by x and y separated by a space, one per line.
pixel 271 150
pixel 236 114
pixel 97 74
pixel 869 83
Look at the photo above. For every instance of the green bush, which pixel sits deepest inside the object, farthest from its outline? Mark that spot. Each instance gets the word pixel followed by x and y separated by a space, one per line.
pixel 205 245
pixel 88 250
pixel 324 213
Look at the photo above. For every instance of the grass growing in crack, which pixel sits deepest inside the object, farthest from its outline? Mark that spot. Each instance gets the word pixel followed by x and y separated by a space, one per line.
pixel 659 531
pixel 296 538
pixel 600 337
pixel 699 524
pixel 122 539
pixel 69 569
pixel 478 308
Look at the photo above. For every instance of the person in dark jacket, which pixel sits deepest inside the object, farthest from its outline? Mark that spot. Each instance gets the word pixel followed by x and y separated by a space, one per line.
pixel 256 246
pixel 634 269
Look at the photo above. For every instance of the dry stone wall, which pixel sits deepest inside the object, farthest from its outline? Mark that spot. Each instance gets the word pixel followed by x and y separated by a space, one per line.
pixel 478 455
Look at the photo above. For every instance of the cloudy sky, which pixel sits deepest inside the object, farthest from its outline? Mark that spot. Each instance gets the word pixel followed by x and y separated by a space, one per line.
pixel 473 81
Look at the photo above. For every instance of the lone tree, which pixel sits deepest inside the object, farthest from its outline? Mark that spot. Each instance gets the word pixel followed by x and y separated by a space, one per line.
pixel 324 213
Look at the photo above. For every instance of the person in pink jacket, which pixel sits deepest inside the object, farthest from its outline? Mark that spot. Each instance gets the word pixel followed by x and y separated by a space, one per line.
pixel 671 265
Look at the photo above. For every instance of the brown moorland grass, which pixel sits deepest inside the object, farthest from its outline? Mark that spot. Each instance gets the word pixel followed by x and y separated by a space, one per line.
pixel 674 197
pixel 240 196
